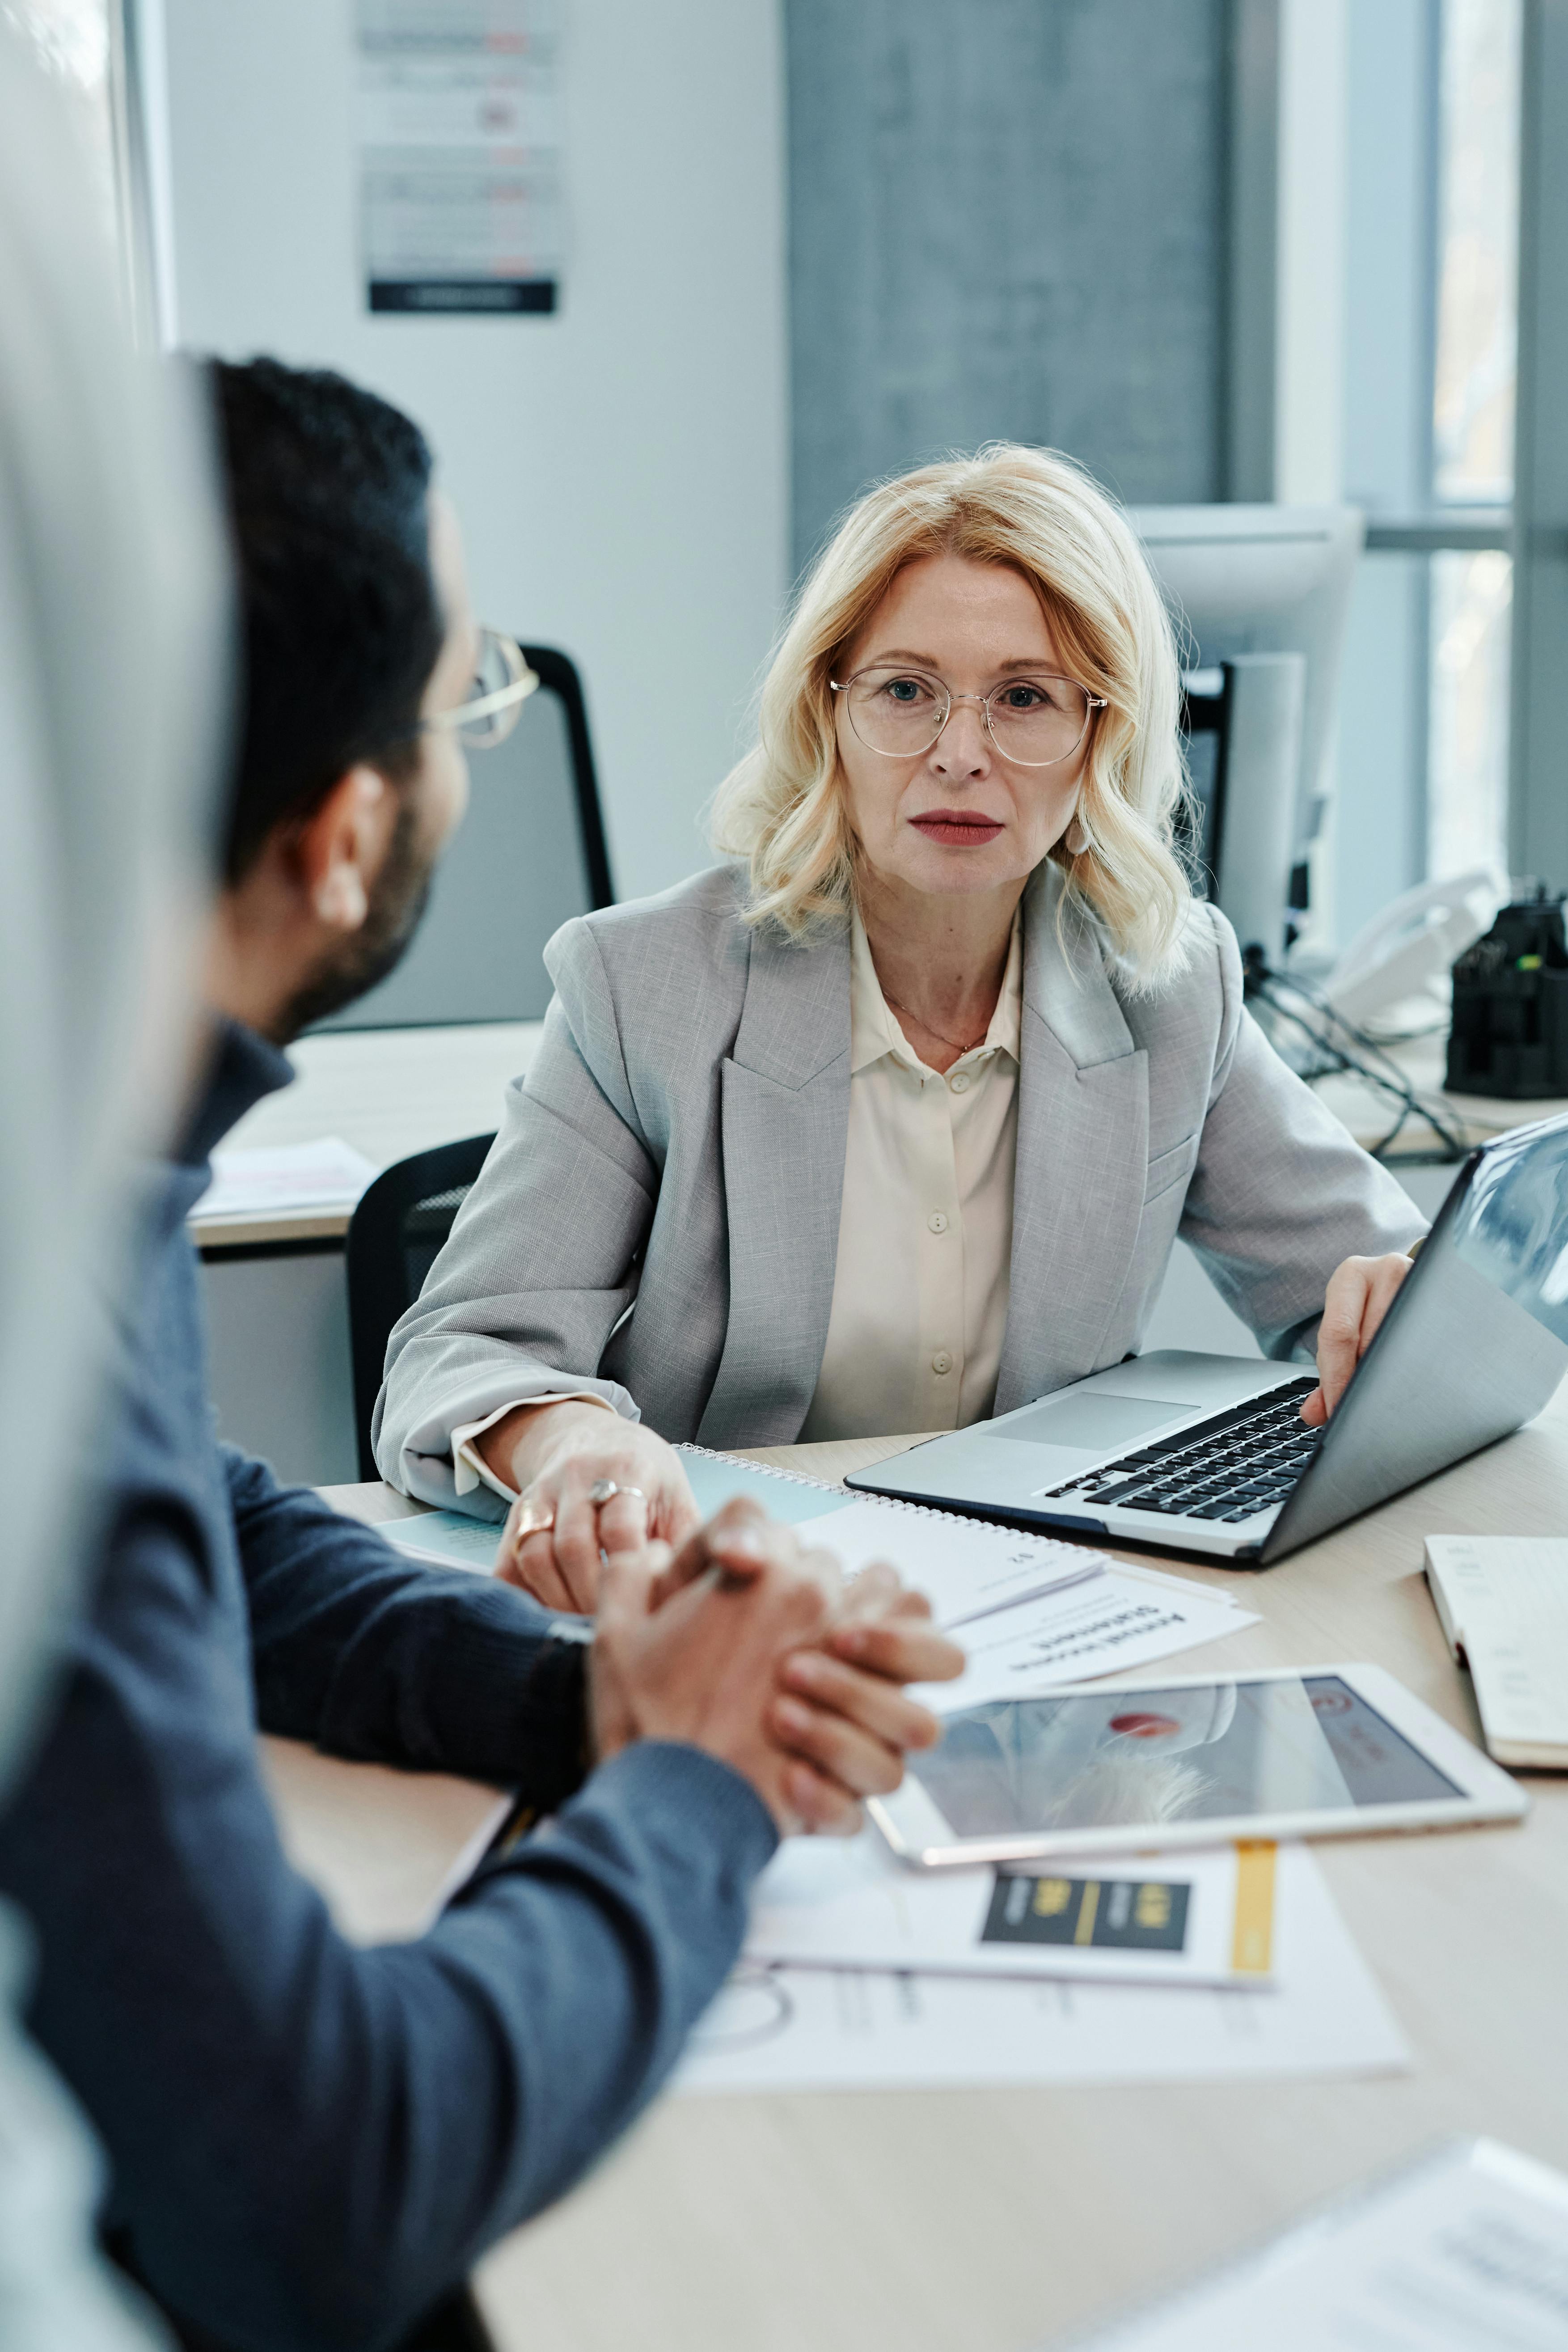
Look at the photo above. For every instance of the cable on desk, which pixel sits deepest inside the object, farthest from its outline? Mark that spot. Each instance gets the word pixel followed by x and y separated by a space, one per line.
pixel 1349 1051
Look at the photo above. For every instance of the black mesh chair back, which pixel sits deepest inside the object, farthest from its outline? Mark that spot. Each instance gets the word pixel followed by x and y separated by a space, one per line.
pixel 529 855
pixel 396 1234
pixel 1200 820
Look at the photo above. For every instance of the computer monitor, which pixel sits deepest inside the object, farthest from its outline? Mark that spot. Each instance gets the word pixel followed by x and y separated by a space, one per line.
pixel 1265 580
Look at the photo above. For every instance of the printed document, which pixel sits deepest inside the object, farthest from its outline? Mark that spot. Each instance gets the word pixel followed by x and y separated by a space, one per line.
pixel 1179 1918
pixel 1469 2249
pixel 793 2028
pixel 1124 1619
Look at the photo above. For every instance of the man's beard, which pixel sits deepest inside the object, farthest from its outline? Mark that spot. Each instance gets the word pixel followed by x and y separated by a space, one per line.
pixel 396 904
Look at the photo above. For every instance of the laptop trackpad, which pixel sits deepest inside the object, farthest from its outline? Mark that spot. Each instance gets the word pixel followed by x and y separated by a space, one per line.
pixel 1097 1423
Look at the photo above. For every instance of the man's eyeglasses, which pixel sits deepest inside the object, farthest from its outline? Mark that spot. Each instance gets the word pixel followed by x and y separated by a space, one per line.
pixel 502 684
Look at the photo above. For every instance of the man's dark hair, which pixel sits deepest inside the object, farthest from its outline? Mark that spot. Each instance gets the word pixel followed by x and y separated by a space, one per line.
pixel 328 490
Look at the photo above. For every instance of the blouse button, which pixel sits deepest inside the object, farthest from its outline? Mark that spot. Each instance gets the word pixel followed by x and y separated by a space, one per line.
pixel 937 1221
pixel 958 1082
pixel 942 1362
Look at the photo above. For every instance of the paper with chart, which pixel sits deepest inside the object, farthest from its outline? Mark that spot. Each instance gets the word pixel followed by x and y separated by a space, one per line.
pixel 794 2029
pixel 1467 2250
pixel 1205 1917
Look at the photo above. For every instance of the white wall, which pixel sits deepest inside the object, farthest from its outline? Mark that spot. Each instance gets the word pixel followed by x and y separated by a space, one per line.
pixel 1310 318
pixel 621 468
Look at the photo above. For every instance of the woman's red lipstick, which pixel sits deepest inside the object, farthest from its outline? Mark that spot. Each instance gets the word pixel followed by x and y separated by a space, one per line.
pixel 958 828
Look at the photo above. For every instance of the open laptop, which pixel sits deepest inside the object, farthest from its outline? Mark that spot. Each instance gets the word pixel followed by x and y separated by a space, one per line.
pixel 1209 1453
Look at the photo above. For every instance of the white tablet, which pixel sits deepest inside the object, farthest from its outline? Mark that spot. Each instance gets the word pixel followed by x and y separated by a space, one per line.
pixel 1196 1760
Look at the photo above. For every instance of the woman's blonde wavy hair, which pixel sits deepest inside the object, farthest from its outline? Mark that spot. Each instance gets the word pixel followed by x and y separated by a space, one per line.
pixel 784 810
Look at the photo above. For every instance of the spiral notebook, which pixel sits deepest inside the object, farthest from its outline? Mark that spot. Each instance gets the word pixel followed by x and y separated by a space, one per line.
pixel 1036 1613
pixel 967 1569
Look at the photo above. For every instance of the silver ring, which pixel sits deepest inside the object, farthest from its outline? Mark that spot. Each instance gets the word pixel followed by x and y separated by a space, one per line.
pixel 604 1490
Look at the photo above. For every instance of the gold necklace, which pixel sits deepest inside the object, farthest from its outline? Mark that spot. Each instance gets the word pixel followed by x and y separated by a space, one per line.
pixel 921 1022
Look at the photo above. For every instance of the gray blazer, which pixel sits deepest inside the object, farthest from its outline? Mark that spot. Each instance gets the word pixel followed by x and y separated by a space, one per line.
pixel 659 1218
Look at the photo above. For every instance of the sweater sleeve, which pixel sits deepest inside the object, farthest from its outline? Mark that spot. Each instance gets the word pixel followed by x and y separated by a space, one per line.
pixel 370 1654
pixel 311 2141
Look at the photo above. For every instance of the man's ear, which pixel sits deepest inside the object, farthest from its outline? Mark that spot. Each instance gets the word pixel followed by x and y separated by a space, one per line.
pixel 339 848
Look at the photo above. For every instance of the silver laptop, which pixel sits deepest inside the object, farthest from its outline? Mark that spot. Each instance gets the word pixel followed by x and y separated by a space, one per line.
pixel 1209 1453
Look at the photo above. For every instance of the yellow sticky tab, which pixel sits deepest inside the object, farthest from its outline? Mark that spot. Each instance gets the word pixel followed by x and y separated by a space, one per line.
pixel 1252 1945
pixel 1084 1932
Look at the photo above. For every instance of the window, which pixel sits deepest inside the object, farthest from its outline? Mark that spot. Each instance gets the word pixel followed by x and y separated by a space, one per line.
pixel 1431 367
pixel 1474 373
pixel 72 38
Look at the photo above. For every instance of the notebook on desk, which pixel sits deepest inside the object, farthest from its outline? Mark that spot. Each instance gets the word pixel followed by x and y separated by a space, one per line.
pixel 1502 1601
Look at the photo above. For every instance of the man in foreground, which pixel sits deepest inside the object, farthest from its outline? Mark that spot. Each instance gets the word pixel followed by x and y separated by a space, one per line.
pixel 311 2142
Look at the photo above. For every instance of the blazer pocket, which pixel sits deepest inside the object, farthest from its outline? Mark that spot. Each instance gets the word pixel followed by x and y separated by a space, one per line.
pixel 1172 1167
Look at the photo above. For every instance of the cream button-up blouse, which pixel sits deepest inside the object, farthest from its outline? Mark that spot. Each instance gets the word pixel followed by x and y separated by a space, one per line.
pixel 925 1229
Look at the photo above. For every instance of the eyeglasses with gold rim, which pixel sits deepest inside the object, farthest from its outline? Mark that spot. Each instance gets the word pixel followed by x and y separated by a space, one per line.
pixel 1036 719
pixel 502 685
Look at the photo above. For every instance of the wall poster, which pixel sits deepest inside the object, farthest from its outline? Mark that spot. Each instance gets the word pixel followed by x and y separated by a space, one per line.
pixel 460 154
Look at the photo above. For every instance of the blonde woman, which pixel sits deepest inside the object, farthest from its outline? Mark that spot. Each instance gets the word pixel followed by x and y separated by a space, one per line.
pixel 890 1122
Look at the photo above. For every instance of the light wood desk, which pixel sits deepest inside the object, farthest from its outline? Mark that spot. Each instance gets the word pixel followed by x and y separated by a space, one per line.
pixel 1473 1118
pixel 387 1092
pixel 277 1300
pixel 995 2221
pixel 275 1286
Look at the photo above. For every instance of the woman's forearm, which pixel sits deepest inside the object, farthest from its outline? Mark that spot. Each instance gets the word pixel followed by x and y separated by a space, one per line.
pixel 513 1447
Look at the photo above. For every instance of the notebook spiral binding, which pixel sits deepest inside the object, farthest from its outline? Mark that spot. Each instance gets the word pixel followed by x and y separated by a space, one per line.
pixel 884 1502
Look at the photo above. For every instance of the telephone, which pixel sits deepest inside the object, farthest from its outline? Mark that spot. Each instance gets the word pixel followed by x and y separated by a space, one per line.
pixel 1409 950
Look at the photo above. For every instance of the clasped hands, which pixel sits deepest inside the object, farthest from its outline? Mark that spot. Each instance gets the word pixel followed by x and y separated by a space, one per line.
pixel 732 1637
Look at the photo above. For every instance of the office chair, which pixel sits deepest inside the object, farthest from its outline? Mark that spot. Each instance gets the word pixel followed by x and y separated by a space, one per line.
pixel 529 855
pixel 455 2325
pixel 395 1236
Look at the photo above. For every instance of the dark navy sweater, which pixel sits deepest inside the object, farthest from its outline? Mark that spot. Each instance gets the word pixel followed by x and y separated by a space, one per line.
pixel 310 2141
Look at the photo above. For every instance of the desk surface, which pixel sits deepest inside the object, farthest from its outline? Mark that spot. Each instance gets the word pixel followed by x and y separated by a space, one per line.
pixel 387 1092
pixel 995 2221
pixel 390 1092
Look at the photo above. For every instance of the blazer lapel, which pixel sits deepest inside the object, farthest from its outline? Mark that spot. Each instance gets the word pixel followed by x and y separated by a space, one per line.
pixel 1083 1156
pixel 784 1124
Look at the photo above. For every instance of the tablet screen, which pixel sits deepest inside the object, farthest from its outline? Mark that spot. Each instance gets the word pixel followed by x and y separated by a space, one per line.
pixel 1195 1752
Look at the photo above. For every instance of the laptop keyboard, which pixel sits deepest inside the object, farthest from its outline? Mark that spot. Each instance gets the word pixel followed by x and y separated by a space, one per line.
pixel 1240 1463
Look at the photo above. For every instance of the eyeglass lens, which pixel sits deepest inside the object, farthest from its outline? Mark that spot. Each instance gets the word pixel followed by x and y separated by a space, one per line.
pixel 499 664
pixel 1033 720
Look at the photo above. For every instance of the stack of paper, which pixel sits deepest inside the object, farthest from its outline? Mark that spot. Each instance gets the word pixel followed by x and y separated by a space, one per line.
pixel 860 1970
pixel 1469 2248
pixel 1069 2012
pixel 325 1174
pixel 1030 1612
pixel 1502 1601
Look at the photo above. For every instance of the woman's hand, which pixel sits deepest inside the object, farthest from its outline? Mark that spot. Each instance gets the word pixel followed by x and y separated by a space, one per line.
pixel 553 1454
pixel 1359 1295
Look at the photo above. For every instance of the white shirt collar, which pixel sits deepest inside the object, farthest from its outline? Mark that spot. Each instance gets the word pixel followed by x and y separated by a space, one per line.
pixel 874 1030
